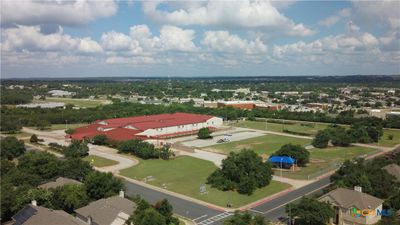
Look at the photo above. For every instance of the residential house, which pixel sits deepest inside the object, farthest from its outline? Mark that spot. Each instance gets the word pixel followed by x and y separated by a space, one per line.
pixel 353 207
pixel 60 181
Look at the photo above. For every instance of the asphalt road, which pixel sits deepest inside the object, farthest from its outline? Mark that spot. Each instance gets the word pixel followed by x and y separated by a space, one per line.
pixel 275 208
pixel 203 215
pixel 182 207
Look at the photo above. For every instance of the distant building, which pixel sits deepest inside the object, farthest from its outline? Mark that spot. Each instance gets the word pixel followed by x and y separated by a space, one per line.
pixel 60 93
pixel 148 127
pixel 210 104
pixel 59 182
pixel 270 106
pixel 37 215
pixel 45 105
pixel 323 106
pixel 110 211
pixel 346 202
pixel 237 104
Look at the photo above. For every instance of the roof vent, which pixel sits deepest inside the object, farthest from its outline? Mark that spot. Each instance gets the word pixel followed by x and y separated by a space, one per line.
pixel 358 188
pixel 122 194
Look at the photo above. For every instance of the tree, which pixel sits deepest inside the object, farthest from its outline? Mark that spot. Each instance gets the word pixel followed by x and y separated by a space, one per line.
pixel 75 168
pixel 321 140
pixel 244 171
pixel 43 164
pixel 76 149
pixel 151 217
pixel 166 153
pixel 310 211
pixel 8 196
pixel 102 185
pixel 11 147
pixel 100 139
pixel 43 198
pixel 34 139
pixel 70 197
pixel 165 209
pixel 245 218
pixel 297 152
pixel 204 133
pixel 69 131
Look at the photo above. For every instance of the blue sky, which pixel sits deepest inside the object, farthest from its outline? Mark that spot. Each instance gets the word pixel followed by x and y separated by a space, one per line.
pixel 199 38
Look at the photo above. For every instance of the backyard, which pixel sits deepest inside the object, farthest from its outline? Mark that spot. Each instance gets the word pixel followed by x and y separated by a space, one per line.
pixel 185 175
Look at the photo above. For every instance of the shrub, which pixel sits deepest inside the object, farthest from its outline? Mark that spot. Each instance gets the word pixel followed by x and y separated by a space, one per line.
pixel 204 133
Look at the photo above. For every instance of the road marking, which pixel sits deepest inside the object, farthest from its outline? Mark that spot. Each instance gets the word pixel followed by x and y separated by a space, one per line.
pixel 215 218
pixel 205 215
pixel 297 198
pixel 256 211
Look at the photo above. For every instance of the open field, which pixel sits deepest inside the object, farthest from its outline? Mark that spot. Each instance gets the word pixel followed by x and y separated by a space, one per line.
pixel 307 127
pixel 99 161
pixel 83 103
pixel 266 144
pixel 69 126
pixel 323 160
pixel 186 174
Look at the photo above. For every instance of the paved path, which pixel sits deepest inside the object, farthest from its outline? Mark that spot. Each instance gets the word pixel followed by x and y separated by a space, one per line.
pixel 205 155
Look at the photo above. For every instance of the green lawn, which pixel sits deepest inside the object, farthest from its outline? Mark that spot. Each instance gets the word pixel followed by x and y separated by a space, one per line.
pixel 384 141
pixel 186 174
pixel 98 161
pixel 328 159
pixel 69 126
pixel 312 129
pixel 266 144
pixel 83 103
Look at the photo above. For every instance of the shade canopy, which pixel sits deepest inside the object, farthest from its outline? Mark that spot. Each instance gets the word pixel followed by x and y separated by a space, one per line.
pixel 282 159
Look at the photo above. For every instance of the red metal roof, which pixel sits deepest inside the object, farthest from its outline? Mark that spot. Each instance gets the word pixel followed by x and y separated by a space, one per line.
pixel 118 131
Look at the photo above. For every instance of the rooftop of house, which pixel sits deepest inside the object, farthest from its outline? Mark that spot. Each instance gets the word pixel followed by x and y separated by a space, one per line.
pixel 60 181
pixel 37 215
pixel 347 198
pixel 394 170
pixel 105 211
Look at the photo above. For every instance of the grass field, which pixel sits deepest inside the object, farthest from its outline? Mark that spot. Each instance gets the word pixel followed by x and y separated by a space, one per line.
pixel 266 144
pixel 384 141
pixel 99 161
pixel 83 103
pixel 70 126
pixel 186 174
pixel 276 127
pixel 327 159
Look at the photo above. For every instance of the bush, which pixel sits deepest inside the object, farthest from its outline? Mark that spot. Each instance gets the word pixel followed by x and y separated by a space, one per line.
pixel 69 131
pixel 100 139
pixel 11 147
pixel 204 133
pixel 321 140
pixel 139 148
pixel 34 139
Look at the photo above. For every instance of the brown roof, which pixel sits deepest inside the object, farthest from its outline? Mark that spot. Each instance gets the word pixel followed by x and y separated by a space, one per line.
pixel 105 211
pixel 61 181
pixel 37 215
pixel 347 198
pixel 394 170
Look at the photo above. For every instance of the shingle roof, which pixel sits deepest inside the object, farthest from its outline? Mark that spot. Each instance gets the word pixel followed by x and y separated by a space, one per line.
pixel 37 215
pixel 349 198
pixel 394 170
pixel 105 211
pixel 61 181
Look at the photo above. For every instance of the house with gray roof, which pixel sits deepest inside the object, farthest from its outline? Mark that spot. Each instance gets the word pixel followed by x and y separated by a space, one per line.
pixel 109 211
pixel 394 170
pixel 33 214
pixel 60 181
pixel 353 207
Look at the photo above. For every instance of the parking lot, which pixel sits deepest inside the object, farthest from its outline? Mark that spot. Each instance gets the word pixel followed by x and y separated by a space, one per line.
pixel 238 136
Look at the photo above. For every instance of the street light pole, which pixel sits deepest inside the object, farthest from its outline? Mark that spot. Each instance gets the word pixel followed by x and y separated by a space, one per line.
pixel 281 166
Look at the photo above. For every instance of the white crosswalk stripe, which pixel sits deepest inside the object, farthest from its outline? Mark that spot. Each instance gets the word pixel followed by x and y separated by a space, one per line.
pixel 215 218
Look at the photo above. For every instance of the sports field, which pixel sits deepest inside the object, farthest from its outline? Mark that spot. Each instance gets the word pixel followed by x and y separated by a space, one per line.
pixel 266 144
pixel 186 174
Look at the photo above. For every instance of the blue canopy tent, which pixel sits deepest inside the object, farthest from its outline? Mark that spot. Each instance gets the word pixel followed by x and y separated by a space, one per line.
pixel 282 161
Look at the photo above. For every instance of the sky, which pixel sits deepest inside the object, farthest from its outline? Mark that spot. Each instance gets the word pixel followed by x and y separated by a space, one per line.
pixel 105 38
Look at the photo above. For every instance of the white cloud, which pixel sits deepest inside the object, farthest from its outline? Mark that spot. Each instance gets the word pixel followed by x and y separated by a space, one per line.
pixel 223 41
pixel 175 38
pixel 239 14
pixel 377 13
pixel 115 41
pixel 69 13
pixel 30 39
pixel 332 20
